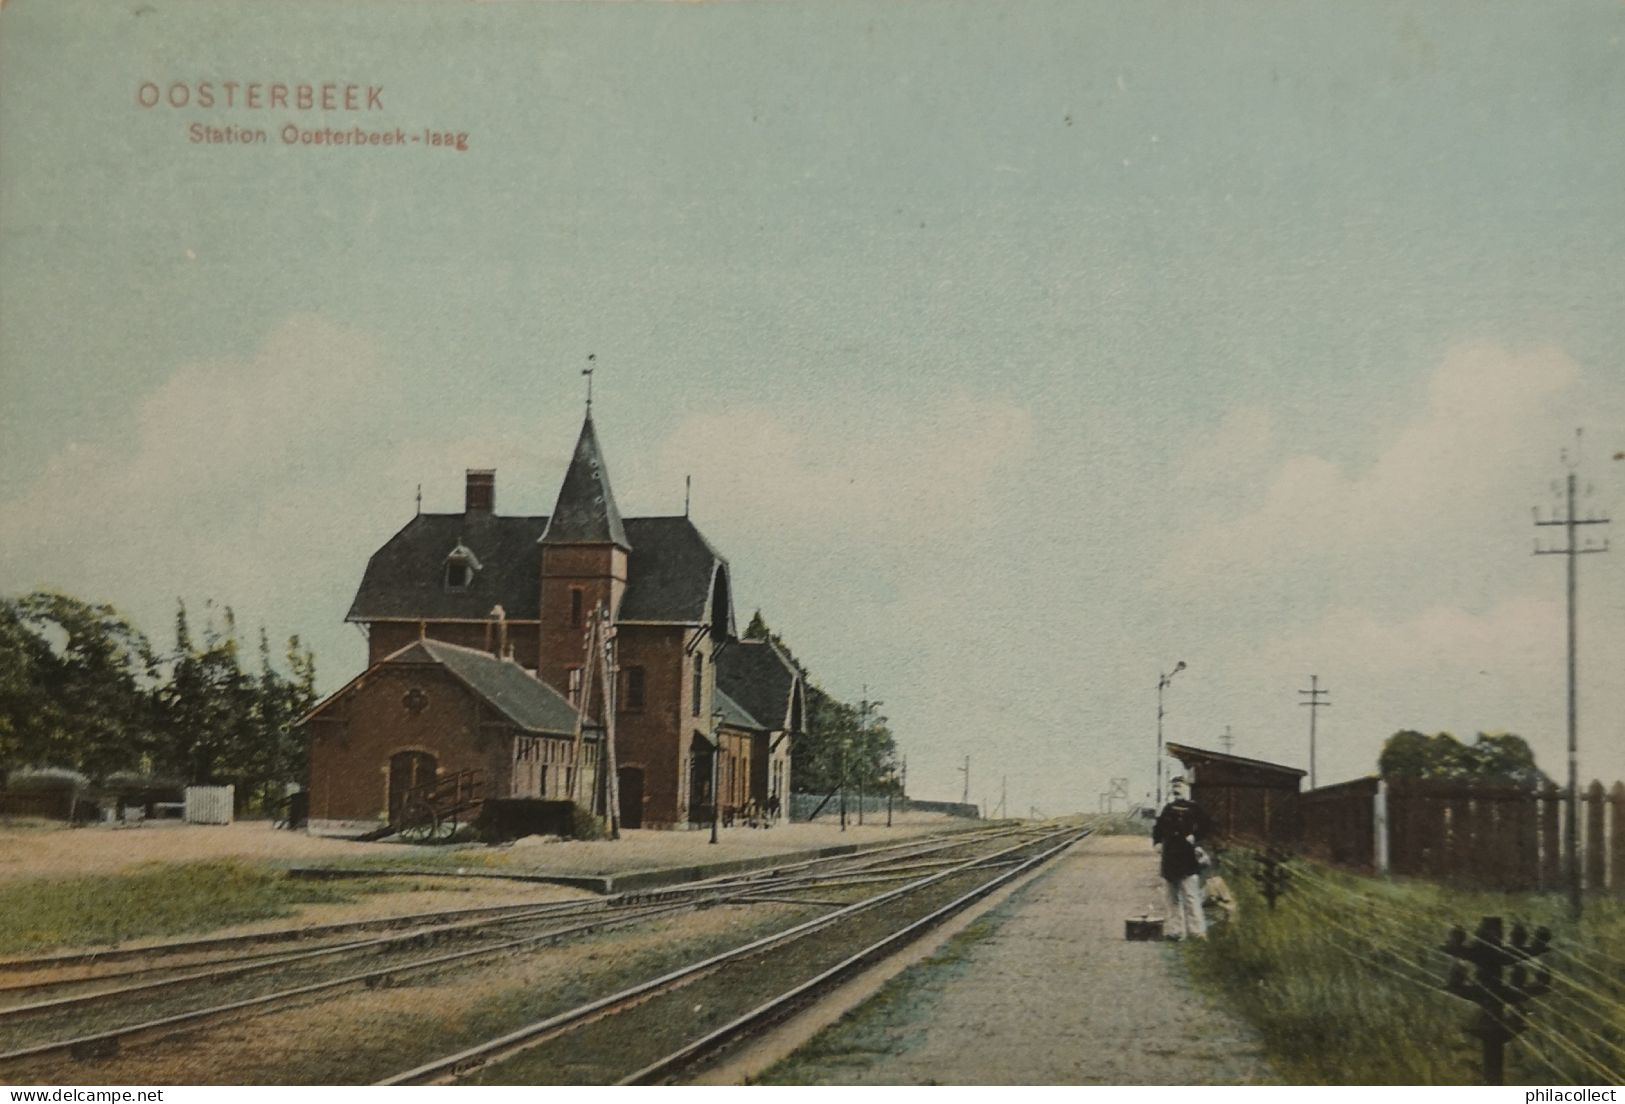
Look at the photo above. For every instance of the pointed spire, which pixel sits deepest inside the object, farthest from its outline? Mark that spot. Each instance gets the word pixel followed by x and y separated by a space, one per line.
pixel 585 512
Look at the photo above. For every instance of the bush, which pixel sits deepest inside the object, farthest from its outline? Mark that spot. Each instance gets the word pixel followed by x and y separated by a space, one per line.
pixel 135 780
pixel 587 826
pixel 42 779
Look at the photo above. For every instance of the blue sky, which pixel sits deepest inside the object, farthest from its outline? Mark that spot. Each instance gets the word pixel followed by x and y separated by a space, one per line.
pixel 1017 350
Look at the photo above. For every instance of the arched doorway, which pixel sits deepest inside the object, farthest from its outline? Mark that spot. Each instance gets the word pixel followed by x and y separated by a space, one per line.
pixel 630 780
pixel 407 770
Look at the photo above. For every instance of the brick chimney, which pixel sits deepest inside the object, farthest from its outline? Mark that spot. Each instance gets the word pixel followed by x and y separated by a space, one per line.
pixel 480 491
pixel 496 633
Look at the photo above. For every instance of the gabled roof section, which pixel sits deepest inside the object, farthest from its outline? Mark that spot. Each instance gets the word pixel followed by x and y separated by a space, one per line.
pixel 670 572
pixel 406 580
pixel 585 512
pixel 508 688
pixel 758 675
pixel 735 715
pixel 502 684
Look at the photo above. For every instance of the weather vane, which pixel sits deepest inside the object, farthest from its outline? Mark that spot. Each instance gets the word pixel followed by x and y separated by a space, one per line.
pixel 587 371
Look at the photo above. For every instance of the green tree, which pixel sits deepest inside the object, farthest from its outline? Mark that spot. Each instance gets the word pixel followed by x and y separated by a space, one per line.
pixel 76 686
pixel 208 704
pixel 833 727
pixel 1492 757
pixel 300 691
pixel 24 708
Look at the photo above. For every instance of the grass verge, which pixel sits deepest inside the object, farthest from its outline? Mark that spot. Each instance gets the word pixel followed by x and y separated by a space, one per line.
pixel 1344 981
pixel 43 914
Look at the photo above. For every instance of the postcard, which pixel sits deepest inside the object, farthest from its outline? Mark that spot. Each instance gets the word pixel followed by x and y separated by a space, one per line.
pixel 865 543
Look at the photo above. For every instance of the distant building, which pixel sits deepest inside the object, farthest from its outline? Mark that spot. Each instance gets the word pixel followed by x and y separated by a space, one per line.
pixel 516 593
pixel 765 700
pixel 1248 799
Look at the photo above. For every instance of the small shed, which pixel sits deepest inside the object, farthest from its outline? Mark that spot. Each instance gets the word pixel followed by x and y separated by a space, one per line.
pixel 1249 799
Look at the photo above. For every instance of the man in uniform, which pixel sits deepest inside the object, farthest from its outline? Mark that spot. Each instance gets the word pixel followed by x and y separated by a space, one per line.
pixel 1181 827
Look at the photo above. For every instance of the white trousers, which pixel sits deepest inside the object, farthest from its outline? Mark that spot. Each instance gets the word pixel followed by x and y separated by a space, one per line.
pixel 1185 908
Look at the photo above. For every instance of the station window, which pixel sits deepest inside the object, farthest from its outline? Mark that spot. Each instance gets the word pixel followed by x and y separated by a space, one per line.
pixel 632 689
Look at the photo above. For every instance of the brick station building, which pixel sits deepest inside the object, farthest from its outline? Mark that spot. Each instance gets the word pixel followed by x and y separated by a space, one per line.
pixel 476 600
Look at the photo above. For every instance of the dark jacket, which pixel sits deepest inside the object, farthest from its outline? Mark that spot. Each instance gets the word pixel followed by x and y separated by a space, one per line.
pixel 1180 827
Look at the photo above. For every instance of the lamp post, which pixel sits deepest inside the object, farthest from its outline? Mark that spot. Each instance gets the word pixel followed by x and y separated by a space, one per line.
pixel 716 772
pixel 1162 684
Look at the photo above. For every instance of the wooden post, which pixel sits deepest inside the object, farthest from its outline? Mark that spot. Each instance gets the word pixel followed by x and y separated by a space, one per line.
pixel 1527 826
pixel 1459 853
pixel 1379 817
pixel 1593 846
pixel 1402 827
pixel 607 762
pixel 1616 839
pixel 1551 850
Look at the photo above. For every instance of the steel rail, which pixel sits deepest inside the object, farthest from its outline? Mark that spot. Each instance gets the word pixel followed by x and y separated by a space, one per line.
pixel 278 935
pixel 453 1066
pixel 945 842
pixel 771 1010
pixel 214 972
pixel 318 931
pixel 209 970
pixel 492 916
pixel 108 1042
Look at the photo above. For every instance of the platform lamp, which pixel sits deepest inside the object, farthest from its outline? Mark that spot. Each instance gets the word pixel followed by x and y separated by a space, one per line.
pixel 716 772
pixel 1162 684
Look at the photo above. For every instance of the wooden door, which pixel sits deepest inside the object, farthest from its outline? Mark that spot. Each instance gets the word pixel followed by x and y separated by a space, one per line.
pixel 631 783
pixel 407 770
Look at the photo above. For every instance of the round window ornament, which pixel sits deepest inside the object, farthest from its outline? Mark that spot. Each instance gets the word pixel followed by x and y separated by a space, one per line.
pixel 415 700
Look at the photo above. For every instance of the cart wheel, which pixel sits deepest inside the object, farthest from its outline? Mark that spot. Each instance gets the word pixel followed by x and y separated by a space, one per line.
pixel 446 828
pixel 418 822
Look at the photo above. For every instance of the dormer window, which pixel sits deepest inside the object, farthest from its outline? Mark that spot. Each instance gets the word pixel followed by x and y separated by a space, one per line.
pixel 460 568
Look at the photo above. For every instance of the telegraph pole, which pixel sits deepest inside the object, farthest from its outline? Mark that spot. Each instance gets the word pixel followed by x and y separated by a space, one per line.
pixel 1162 684
pixel 1570 521
pixel 965 770
pixel 1315 705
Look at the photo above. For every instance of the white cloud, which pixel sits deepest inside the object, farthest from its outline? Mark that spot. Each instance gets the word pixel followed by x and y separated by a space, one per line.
pixel 1444 479
pixel 1404 580
pixel 872 478
pixel 238 481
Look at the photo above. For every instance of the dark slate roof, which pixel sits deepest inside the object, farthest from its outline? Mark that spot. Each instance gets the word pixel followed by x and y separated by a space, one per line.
pixel 735 715
pixel 759 677
pixel 504 685
pixel 669 572
pixel 669 569
pixel 1190 756
pixel 406 578
pixel 585 512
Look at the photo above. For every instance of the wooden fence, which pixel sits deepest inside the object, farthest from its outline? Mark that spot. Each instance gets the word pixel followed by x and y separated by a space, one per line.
pixel 1340 823
pixel 1485 836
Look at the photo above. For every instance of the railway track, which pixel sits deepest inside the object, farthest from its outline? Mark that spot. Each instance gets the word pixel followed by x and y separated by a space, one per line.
pixel 117 1013
pixel 831 947
pixel 104 965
